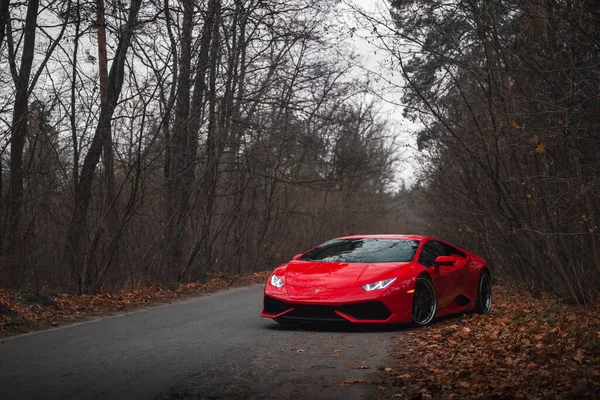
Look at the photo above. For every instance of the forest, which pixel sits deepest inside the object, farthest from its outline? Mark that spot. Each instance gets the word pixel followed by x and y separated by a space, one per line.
pixel 507 93
pixel 163 141
pixel 159 142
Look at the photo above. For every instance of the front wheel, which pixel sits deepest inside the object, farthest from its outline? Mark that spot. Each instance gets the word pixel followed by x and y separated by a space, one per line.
pixel 424 302
pixel 484 293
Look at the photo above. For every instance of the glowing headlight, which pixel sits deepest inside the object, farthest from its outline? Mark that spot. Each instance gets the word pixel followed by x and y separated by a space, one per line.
pixel 378 285
pixel 275 281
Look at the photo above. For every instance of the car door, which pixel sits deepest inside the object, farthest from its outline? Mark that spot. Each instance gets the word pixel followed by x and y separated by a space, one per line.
pixel 455 275
pixel 432 250
pixel 445 278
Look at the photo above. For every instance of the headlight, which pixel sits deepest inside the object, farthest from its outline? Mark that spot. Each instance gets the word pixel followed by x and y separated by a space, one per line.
pixel 377 285
pixel 275 281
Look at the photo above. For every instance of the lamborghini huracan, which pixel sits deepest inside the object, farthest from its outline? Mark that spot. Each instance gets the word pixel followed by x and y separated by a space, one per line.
pixel 378 279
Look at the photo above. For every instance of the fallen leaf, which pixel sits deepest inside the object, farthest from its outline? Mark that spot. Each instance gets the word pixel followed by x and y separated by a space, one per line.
pixel 578 356
pixel 299 351
pixel 464 384
pixel 352 381
pixel 54 323
pixel 357 366
pixel 380 387
pixel 387 369
pixel 337 356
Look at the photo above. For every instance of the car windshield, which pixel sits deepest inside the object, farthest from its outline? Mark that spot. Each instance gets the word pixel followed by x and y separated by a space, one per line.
pixel 364 250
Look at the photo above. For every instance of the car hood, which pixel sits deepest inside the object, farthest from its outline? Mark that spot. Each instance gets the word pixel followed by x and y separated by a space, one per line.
pixel 335 274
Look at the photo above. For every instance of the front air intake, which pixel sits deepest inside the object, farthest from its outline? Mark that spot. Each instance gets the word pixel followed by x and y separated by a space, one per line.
pixel 371 310
pixel 273 306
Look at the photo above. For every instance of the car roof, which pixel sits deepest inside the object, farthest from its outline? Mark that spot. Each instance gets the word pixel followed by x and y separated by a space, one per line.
pixel 387 236
pixel 420 238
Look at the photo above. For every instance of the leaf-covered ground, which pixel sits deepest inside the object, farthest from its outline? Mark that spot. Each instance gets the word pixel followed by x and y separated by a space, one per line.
pixel 22 312
pixel 530 348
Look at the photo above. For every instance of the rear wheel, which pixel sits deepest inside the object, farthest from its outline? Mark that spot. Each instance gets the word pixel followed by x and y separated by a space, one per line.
pixel 484 293
pixel 424 302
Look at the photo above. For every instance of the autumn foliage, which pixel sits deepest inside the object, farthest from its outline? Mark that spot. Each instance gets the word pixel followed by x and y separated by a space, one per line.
pixel 508 132
pixel 532 348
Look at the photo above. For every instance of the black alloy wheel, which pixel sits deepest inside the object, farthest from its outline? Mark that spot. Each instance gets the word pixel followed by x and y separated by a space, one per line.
pixel 484 293
pixel 424 302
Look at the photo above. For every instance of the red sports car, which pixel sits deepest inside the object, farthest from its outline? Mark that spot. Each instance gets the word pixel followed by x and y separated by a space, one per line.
pixel 378 279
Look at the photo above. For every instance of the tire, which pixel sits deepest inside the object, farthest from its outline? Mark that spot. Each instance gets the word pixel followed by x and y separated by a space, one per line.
pixel 483 303
pixel 424 304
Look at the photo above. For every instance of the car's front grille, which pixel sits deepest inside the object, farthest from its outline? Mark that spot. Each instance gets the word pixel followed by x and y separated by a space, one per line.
pixel 314 313
pixel 371 310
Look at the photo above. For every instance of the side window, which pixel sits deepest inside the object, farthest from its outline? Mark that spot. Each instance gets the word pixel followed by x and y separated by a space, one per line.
pixel 451 251
pixel 427 257
pixel 431 251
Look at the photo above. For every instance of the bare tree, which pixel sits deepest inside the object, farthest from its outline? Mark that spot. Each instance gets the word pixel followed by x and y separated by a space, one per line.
pixel 83 188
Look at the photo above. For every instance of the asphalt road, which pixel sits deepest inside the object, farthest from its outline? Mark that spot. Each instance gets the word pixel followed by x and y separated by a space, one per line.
pixel 211 347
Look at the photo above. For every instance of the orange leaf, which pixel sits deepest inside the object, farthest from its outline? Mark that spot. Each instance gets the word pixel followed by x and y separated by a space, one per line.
pixel 352 381
pixel 578 356
pixel 514 124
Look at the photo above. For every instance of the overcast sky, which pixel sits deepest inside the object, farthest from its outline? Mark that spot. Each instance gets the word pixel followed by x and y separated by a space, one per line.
pixel 386 82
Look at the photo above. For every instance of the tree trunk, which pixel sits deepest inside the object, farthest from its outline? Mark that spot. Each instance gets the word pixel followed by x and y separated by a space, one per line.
pixel 212 144
pixel 178 186
pixel 18 134
pixel 4 19
pixel 72 254
pixel 183 147
pixel 110 211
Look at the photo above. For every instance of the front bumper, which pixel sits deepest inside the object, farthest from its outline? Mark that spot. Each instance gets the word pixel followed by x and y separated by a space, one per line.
pixel 370 311
pixel 392 305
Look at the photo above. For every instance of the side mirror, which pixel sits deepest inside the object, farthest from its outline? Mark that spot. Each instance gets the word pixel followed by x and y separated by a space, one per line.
pixel 445 261
pixel 297 256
